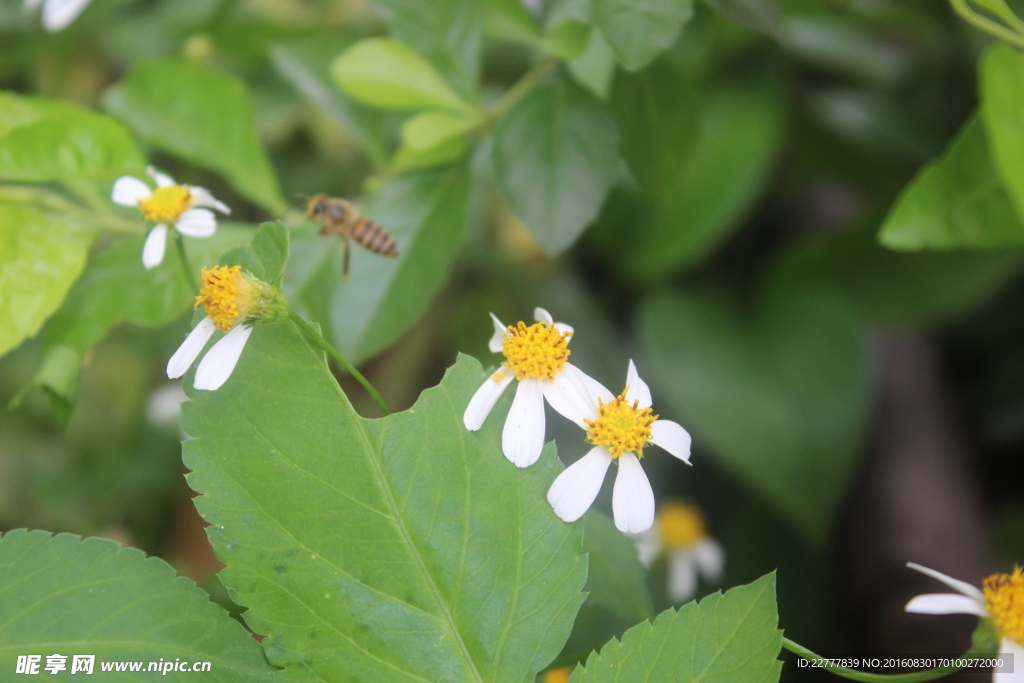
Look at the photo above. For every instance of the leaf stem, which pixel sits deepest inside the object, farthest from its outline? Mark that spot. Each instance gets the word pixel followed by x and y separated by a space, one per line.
pixel 855 675
pixel 967 13
pixel 314 336
pixel 521 87
pixel 190 280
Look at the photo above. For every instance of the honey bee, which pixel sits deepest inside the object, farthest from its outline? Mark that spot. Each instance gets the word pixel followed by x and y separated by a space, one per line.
pixel 340 217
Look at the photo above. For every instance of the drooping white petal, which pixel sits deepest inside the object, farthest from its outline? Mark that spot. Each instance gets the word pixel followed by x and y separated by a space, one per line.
pixel 485 397
pixel 1008 646
pixel 190 349
pixel 220 361
pixel 632 497
pixel 648 546
pixel 682 576
pixel 945 603
pixel 128 191
pixel 153 249
pixel 498 338
pixel 636 388
pixel 542 316
pixel 672 437
pixel 202 197
pixel 574 490
pixel 709 558
pixel 57 14
pixel 959 586
pixel 196 223
pixel 563 328
pixel 523 436
pixel 570 394
pixel 162 179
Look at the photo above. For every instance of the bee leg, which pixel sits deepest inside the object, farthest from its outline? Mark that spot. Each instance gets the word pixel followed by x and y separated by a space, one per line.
pixel 344 268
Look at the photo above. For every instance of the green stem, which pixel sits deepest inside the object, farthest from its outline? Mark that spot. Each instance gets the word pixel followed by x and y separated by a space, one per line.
pixel 855 675
pixel 190 276
pixel 317 338
pixel 963 8
pixel 521 87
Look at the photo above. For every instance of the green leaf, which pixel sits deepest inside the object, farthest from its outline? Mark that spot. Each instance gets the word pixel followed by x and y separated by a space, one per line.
pixel 267 254
pixel 1002 81
pixel 956 201
pixel 40 257
pixel 426 212
pixel 730 637
pixel 404 548
pixel 639 30
pixel 442 154
pixel 64 595
pixel 726 174
pixel 761 16
pixel 781 399
pixel 384 73
pixel 555 155
pixel 510 20
pixel 201 115
pixel 659 116
pixel 435 127
pixel 595 66
pixel 42 141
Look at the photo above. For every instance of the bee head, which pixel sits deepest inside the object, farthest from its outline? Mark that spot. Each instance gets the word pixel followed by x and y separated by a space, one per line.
pixel 317 206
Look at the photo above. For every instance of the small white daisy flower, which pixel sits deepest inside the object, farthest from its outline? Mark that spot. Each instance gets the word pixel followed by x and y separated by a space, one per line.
pixel 536 355
pixel 1000 601
pixel 179 205
pixel 680 533
pixel 234 301
pixel 56 14
pixel 619 428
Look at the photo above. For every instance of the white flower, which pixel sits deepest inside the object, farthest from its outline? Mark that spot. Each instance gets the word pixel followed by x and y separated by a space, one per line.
pixel 619 427
pixel 680 533
pixel 537 356
pixel 57 14
pixel 1001 602
pixel 169 203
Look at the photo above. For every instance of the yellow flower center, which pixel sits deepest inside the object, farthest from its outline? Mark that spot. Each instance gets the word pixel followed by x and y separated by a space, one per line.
pixel 535 352
pixel 558 675
pixel 1004 602
pixel 621 427
pixel 227 296
pixel 166 203
pixel 680 525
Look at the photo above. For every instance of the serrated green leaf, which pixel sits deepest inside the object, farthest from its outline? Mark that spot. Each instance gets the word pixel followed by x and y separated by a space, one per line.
pixel 404 548
pixel 1002 96
pixel 956 201
pixel 201 115
pixel 40 257
pixel 426 212
pixel 723 639
pixel 781 399
pixel 384 73
pixel 555 155
pixel 62 595
pixel 639 30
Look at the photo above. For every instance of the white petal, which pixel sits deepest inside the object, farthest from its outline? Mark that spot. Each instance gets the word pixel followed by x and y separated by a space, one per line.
pixel 196 223
pixel 632 497
pixel 673 438
pixel 563 328
pixel 162 179
pixel 569 393
pixel 217 364
pixel 57 14
pixel 153 249
pixel 523 436
pixel 648 546
pixel 202 197
pixel 682 576
pixel 498 339
pixel 542 316
pixel 945 603
pixel 190 348
pixel 485 397
pixel 1009 647
pixel 128 191
pixel 636 388
pixel 959 586
pixel 709 558
pixel 574 490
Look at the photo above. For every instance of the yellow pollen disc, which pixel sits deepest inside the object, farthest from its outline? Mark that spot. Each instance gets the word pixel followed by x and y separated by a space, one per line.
pixel 1004 602
pixel 558 675
pixel 535 352
pixel 226 295
pixel 680 525
pixel 621 427
pixel 166 203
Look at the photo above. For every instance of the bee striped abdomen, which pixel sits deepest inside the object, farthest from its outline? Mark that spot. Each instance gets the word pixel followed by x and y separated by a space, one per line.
pixel 375 238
